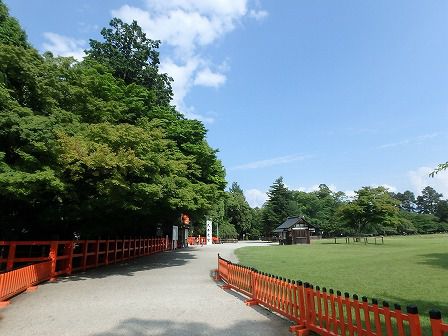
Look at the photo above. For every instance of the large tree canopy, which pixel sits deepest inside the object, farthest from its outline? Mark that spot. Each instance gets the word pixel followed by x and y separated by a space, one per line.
pixel 94 147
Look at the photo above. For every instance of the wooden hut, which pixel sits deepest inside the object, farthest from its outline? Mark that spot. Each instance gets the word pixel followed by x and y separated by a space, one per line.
pixel 295 230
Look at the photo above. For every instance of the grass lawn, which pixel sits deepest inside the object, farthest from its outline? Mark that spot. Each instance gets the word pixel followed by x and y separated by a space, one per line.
pixel 405 270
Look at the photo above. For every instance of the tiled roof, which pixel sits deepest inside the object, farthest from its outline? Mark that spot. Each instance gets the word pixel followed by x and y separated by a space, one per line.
pixel 290 221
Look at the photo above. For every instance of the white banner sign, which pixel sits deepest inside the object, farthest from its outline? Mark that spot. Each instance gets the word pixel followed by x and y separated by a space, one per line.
pixel 209 232
pixel 175 233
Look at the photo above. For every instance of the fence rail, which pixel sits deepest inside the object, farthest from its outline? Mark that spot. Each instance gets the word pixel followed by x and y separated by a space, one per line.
pixel 324 312
pixel 26 263
pixel 14 282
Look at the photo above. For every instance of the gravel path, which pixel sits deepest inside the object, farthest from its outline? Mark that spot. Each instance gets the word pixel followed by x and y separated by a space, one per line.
pixel 169 293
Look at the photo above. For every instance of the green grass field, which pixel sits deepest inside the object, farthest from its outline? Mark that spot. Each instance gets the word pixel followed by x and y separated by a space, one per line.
pixel 405 270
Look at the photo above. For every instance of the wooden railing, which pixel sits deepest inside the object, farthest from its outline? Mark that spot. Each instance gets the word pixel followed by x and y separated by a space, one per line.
pixel 26 263
pixel 323 312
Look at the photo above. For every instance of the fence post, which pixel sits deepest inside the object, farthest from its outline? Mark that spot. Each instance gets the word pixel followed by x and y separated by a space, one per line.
pixel 414 321
pixel 97 252
pixel 436 322
pixel 11 256
pixel 253 281
pixel 53 258
pixel 85 251
pixel 68 251
pixel 107 252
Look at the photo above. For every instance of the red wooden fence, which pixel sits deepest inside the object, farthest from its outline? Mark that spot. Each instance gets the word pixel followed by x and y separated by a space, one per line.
pixel 324 312
pixel 197 240
pixel 26 263
pixel 14 282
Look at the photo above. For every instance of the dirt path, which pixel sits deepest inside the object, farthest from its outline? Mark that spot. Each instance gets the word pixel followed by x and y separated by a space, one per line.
pixel 169 293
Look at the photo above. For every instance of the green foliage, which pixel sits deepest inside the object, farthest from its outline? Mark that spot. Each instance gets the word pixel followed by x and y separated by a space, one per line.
pixel 94 147
pixel 442 210
pixel 427 202
pixel 372 210
pixel 132 56
pixel 10 31
pixel 439 168
pixel 319 208
pixel 407 200
pixel 237 210
pixel 278 207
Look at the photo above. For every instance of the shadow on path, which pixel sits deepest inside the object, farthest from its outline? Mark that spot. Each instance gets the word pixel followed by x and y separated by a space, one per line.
pixel 131 267
pixel 141 327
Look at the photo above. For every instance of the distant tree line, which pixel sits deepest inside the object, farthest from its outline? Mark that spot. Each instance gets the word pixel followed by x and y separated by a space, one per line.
pixel 95 148
pixel 372 210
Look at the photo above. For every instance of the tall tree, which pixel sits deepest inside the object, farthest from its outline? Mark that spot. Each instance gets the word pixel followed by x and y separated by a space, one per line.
pixel 237 210
pixel 10 31
pixel 442 210
pixel 84 150
pixel 278 207
pixel 428 200
pixel 319 208
pixel 372 210
pixel 407 200
pixel 132 56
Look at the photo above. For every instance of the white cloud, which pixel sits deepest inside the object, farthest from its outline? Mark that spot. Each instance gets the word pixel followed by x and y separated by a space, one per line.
pixel 420 179
pixel 314 187
pixel 387 186
pixel 64 46
pixel 350 194
pixel 255 197
pixel 188 26
pixel 271 162
pixel 258 14
pixel 208 78
pixel 182 75
pixel 417 140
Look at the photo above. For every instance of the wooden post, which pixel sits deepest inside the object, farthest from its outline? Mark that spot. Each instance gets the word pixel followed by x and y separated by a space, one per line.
pixel 85 250
pixel 414 321
pixel 107 252
pixel 97 250
pixel 68 251
pixel 11 256
pixel 436 322
pixel 53 258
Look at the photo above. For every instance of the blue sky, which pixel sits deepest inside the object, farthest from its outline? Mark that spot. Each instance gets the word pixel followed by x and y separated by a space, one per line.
pixel 347 93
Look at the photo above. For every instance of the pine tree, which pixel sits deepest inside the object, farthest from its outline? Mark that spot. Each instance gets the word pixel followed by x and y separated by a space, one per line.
pixel 278 207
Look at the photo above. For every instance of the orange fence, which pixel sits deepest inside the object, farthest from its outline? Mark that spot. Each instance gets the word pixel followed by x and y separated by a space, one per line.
pixel 324 312
pixel 26 263
pixel 437 326
pixel 197 240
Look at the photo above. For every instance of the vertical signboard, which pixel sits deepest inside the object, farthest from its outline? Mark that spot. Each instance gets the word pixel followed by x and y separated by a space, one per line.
pixel 209 232
pixel 175 237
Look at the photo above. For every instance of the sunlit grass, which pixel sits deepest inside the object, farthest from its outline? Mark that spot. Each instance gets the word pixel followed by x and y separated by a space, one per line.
pixel 405 270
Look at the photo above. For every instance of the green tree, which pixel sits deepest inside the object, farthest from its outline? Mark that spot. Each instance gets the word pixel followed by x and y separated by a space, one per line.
pixel 10 31
pixel 372 210
pixel 133 57
pixel 428 200
pixel 237 210
pixel 442 210
pixel 256 227
pixel 407 200
pixel 278 207
pixel 84 150
pixel 424 223
pixel 319 208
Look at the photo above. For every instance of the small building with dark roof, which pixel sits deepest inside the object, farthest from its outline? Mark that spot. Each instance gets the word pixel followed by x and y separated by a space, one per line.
pixel 295 230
